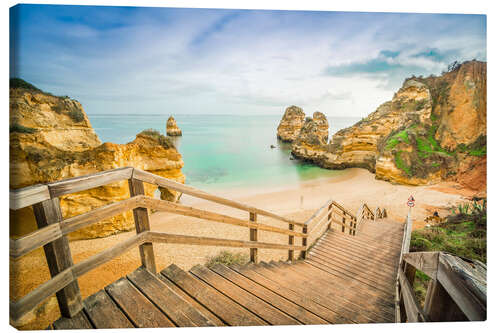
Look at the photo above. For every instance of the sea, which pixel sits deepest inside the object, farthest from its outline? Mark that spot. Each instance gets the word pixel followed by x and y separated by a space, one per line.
pixel 224 151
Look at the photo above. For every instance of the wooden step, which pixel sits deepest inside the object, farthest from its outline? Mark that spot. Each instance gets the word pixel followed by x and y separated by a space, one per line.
pixel 250 302
pixel 223 307
pixel 180 312
pixel 294 310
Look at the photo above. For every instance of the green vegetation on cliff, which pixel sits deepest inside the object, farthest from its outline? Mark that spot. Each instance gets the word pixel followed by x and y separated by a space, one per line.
pixel 20 83
pixel 463 233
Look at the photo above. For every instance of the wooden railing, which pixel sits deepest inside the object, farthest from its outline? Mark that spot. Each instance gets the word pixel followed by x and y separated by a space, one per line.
pixel 53 230
pixel 456 291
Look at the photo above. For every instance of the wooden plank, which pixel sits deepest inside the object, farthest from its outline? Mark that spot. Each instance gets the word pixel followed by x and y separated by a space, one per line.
pixel 163 182
pixel 185 296
pixel 82 183
pixel 253 238
pixel 336 204
pixel 350 297
pixel 136 306
pixel 303 253
pixel 229 311
pixel 35 297
pixel 343 287
pixel 34 240
pixel 79 321
pixel 178 311
pixel 301 314
pixel 141 219
pixel 58 256
pixel 413 311
pixel 45 235
pixel 103 312
pixel 303 301
pixel 426 262
pixel 97 214
pixel 96 260
pixel 262 309
pixel 449 278
pixel 195 240
pixel 28 196
pixel 317 212
pixel 167 206
pixel 303 288
pixel 320 222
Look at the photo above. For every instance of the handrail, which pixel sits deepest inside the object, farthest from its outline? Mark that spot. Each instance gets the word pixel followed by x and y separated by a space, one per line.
pixel 53 230
pixel 457 289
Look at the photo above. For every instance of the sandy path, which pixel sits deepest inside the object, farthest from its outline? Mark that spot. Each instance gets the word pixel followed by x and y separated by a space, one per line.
pixel 349 189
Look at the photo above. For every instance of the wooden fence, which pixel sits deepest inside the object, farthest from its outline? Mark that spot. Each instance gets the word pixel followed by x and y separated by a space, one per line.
pixel 456 292
pixel 53 230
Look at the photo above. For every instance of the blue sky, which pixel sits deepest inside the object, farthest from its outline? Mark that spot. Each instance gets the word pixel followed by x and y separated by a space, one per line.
pixel 202 61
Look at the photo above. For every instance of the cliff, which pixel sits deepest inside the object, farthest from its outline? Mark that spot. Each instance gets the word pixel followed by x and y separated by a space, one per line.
pixel 313 136
pixel 172 129
pixel 51 139
pixel 290 124
pixel 433 129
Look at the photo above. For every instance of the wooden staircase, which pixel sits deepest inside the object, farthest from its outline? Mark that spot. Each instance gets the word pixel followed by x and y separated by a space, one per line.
pixel 345 279
pixel 341 267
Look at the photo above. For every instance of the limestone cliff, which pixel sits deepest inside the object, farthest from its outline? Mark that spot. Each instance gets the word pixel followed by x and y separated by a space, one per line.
pixel 313 136
pixel 51 139
pixel 433 129
pixel 172 129
pixel 290 124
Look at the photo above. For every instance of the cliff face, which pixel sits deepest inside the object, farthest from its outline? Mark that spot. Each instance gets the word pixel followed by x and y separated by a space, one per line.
pixel 51 139
pixel 172 129
pixel 313 136
pixel 290 124
pixel 433 129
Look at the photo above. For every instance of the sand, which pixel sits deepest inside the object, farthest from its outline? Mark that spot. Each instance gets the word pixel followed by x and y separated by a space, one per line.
pixel 350 189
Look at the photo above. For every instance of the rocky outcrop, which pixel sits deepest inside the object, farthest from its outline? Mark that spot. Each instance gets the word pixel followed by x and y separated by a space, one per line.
pixel 172 129
pixel 312 138
pixel 290 124
pixel 433 129
pixel 51 139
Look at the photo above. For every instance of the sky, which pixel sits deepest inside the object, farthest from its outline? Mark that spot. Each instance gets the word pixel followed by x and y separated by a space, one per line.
pixel 117 60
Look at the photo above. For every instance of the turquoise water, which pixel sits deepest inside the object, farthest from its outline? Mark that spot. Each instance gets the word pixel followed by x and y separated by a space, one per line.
pixel 222 151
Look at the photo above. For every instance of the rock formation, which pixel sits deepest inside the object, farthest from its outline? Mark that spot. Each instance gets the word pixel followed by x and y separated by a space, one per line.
pixel 51 139
pixel 433 129
pixel 290 124
pixel 172 129
pixel 312 138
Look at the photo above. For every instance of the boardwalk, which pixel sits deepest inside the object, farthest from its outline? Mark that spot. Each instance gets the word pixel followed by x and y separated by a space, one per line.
pixel 345 279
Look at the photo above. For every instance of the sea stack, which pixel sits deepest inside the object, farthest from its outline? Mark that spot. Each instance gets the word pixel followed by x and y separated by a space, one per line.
pixel 312 137
pixel 291 123
pixel 172 129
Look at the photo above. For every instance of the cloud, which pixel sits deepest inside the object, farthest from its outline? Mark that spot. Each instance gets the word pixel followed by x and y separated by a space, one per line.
pixel 155 60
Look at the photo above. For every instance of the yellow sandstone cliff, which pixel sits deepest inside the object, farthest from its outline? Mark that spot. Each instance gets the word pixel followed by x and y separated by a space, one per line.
pixel 51 139
pixel 433 129
pixel 172 129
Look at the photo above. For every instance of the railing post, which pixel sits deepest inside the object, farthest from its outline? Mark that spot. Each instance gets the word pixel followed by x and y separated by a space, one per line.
pixel 343 221
pixel 303 253
pixel 350 229
pixel 355 225
pixel 330 207
pixel 253 237
pixel 141 218
pixel 58 255
pixel 291 241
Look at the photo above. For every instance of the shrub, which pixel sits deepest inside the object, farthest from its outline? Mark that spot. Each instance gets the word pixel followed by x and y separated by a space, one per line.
pixel 228 258
pixel 17 128
pixel 76 115
pixel 20 83
pixel 162 139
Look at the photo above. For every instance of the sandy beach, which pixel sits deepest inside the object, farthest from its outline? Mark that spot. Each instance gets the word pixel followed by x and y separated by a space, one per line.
pixel 350 189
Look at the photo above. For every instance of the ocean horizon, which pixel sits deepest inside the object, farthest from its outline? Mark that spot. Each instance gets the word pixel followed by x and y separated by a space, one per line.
pixel 224 151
